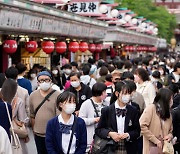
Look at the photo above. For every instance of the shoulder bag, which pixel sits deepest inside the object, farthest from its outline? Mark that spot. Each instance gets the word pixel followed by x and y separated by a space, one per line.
pixel 15 143
pixel 73 130
pixel 101 145
pixel 44 100
pixel 21 131
pixel 167 146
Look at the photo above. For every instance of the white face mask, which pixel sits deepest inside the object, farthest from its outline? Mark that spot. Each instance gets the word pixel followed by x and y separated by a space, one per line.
pixel 33 75
pixel 67 71
pixel 75 84
pixel 55 72
pixel 69 108
pixel 45 86
pixel 126 98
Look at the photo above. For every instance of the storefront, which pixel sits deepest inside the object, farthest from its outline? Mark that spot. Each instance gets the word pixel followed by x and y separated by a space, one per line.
pixel 35 22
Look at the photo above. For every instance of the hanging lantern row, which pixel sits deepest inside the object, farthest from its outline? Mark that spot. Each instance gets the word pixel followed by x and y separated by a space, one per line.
pixel 10 47
pixel 140 48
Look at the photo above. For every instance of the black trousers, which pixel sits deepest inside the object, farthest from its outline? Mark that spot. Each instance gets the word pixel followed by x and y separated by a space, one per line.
pixel 40 144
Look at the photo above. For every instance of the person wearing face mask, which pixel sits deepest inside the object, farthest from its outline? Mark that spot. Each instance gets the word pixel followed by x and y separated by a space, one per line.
pixel 144 86
pixel 56 76
pixel 67 69
pixel 66 133
pixel 82 91
pixel 32 76
pixel 42 109
pixel 120 122
pixel 87 110
pixel 156 119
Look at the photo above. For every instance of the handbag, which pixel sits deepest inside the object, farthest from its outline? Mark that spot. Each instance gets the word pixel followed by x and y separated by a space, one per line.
pixel 168 148
pixel 15 143
pixel 100 145
pixel 21 131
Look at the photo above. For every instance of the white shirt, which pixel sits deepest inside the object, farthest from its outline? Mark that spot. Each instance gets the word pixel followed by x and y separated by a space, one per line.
pixel 148 92
pixel 66 137
pixel 120 120
pixel 5 145
pixel 176 76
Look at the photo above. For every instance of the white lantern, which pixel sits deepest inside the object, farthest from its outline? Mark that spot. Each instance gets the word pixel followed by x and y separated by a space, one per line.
pixel 122 21
pixel 103 8
pixel 155 30
pixel 65 1
pixel 114 13
pixel 143 24
pixel 134 21
pixel 151 27
pixel 127 18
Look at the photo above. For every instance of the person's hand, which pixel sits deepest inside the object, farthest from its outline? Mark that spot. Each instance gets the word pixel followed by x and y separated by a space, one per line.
pixel 26 140
pixel 159 145
pixel 77 113
pixel 115 136
pixel 124 136
pixel 168 137
pixel 96 120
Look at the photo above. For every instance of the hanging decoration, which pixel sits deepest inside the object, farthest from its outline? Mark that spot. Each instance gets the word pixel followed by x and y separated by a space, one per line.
pixel 83 46
pixel 98 48
pixel 92 48
pixel 10 46
pixel 48 47
pixel 31 46
pixel 61 47
pixel 73 46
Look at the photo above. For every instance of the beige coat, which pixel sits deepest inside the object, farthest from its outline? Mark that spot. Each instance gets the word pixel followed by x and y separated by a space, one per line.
pixel 151 127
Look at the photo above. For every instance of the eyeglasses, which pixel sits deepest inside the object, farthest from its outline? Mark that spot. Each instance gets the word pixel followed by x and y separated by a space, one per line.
pixel 44 80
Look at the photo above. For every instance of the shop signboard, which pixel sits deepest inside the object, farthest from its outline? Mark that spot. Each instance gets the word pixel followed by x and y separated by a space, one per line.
pixel 9 19
pixel 97 32
pixel 64 27
pixel 75 29
pixel 85 30
pixel 84 7
pixel 32 23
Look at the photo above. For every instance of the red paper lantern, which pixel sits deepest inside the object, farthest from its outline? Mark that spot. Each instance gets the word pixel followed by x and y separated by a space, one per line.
pixel 31 46
pixel 10 46
pixel 83 46
pixel 92 47
pixel 98 47
pixel 48 46
pixel 61 47
pixel 73 47
pixel 126 48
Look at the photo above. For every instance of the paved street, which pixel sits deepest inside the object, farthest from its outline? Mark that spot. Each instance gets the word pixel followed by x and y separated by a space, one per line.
pixel 31 145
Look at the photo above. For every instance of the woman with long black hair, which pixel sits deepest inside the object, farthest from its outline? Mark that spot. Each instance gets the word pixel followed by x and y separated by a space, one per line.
pixel 156 121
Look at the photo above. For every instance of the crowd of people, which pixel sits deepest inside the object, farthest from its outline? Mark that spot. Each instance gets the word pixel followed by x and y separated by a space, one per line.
pixel 133 102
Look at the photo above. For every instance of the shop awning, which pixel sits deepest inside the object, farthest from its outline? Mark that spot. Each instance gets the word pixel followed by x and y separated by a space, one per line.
pixel 29 17
pixel 121 35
